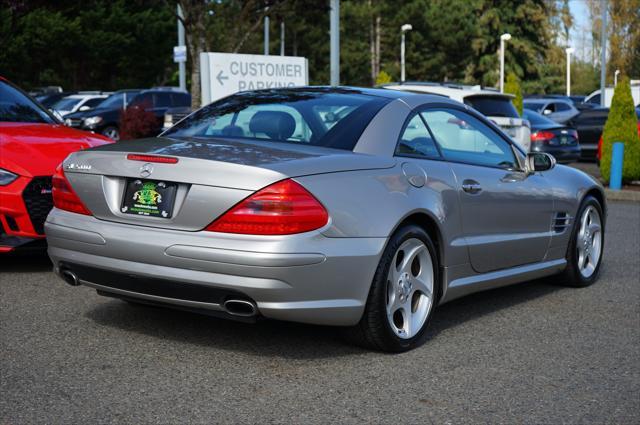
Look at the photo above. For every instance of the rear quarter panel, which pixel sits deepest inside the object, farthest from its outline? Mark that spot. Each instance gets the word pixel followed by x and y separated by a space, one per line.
pixel 373 203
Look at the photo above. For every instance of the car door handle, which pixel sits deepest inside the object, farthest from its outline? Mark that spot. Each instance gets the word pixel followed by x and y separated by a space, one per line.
pixel 471 186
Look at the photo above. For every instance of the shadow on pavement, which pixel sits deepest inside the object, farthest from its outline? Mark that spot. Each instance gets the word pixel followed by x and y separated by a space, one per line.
pixel 474 306
pixel 264 338
pixel 276 339
pixel 30 261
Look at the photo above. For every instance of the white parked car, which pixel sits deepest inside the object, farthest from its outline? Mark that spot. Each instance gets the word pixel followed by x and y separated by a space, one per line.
pixel 78 102
pixel 594 98
pixel 494 105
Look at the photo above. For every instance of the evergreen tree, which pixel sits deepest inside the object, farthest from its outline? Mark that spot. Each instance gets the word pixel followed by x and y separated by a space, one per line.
pixel 512 85
pixel 622 126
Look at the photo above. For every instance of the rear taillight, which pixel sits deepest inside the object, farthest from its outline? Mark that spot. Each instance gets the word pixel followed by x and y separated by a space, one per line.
pixel 283 208
pixel 64 197
pixel 542 136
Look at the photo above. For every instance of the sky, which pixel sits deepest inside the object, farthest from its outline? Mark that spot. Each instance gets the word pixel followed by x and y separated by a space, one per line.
pixel 580 35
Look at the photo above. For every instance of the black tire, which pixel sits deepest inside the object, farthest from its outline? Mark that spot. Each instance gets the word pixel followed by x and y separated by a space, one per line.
pixel 571 275
pixel 374 331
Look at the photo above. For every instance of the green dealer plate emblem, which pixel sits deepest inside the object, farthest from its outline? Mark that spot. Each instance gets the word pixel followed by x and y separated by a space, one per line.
pixel 149 198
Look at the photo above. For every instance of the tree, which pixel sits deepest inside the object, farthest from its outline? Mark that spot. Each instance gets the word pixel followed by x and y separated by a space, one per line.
pixel 530 25
pixel 624 36
pixel 585 78
pixel 89 45
pixel 567 20
pixel 512 85
pixel 622 127
pixel 383 78
pixel 227 25
pixel 194 16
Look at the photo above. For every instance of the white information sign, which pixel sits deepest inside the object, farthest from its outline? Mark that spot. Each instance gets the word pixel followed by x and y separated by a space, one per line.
pixel 223 74
pixel 180 54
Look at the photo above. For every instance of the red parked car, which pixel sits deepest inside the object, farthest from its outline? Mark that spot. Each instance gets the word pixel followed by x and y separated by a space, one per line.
pixel 32 144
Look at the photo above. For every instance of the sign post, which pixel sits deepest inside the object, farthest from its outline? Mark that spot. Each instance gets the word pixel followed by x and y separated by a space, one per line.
pixel 223 74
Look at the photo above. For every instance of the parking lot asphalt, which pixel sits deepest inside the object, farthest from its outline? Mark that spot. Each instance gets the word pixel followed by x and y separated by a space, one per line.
pixel 530 353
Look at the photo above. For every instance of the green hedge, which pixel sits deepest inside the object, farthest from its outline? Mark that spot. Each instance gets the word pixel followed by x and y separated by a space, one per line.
pixel 622 126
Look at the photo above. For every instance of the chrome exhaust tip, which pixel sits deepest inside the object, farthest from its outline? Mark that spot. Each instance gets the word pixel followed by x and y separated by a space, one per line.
pixel 69 277
pixel 242 308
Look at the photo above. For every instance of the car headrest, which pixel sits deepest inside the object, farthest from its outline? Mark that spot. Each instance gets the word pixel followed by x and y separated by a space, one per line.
pixel 275 124
pixel 232 130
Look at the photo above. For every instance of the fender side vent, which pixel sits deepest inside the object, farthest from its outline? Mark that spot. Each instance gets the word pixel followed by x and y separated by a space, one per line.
pixel 561 222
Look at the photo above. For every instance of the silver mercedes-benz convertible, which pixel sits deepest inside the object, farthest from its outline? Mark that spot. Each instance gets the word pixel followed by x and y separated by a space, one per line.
pixel 360 208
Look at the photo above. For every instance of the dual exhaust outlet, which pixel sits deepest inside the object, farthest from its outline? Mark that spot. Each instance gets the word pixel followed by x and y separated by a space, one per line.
pixel 235 307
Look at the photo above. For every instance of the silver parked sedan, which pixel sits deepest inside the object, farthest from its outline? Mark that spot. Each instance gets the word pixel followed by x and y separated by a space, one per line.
pixel 350 207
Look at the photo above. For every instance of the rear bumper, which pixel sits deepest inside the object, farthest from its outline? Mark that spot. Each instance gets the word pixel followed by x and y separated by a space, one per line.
pixel 304 278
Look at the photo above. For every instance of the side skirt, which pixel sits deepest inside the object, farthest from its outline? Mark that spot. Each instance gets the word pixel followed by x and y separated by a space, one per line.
pixel 480 282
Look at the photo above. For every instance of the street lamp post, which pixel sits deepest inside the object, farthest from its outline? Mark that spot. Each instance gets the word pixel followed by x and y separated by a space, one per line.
pixel 266 34
pixel 334 41
pixel 403 29
pixel 615 77
pixel 182 69
pixel 504 37
pixel 569 50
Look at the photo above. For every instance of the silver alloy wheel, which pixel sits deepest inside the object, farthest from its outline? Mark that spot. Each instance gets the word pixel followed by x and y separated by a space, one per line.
pixel 589 241
pixel 410 288
pixel 112 133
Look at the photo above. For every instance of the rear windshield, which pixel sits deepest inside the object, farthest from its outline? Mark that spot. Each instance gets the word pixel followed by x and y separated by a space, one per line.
pixel 537 119
pixel 492 106
pixel 333 118
pixel 66 103
pixel 15 106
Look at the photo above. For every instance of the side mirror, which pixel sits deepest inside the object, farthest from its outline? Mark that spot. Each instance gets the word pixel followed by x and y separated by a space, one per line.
pixel 539 161
pixel 84 108
pixel 546 112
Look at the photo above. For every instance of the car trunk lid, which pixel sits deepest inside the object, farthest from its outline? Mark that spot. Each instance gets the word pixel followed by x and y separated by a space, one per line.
pixel 210 175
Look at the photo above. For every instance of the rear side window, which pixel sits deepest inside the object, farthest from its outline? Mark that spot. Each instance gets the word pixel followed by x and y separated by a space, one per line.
pixel 144 100
pixel 492 106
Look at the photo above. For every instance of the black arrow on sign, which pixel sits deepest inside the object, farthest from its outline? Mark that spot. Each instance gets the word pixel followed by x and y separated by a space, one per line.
pixel 221 77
